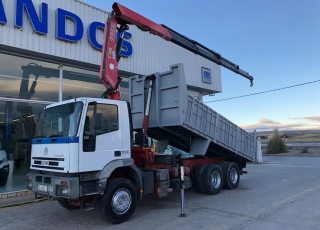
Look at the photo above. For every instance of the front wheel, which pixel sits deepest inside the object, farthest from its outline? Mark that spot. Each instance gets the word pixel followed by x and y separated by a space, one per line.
pixel 119 201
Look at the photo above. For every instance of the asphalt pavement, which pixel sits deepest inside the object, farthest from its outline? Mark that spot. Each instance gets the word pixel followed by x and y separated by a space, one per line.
pixel 282 193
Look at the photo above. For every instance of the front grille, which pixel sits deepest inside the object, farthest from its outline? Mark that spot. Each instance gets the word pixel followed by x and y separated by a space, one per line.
pixel 48 167
pixel 50 163
pixel 47 163
pixel 47 159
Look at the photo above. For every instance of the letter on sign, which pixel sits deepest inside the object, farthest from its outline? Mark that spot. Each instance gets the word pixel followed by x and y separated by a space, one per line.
pixel 3 18
pixel 92 33
pixel 62 17
pixel 40 24
pixel 126 46
pixel 126 50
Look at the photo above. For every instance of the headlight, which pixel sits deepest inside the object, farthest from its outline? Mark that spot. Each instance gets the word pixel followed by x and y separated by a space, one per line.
pixel 62 190
pixel 3 160
pixel 29 184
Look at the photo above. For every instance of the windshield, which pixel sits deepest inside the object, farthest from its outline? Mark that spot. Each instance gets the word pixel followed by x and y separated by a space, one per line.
pixel 60 121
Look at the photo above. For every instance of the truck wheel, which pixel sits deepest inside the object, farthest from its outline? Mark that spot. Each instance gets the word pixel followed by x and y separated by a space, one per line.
pixel 65 203
pixel 231 175
pixel 212 179
pixel 197 177
pixel 119 201
pixel 3 181
pixel 221 163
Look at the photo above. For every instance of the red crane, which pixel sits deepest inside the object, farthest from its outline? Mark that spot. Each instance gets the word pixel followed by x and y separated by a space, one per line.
pixel 123 17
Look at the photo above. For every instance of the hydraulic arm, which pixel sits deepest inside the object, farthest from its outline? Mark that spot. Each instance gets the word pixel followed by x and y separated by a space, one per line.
pixel 123 17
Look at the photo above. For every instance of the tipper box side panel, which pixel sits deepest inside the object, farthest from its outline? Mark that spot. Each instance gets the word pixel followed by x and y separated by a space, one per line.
pixel 167 100
pixel 171 93
pixel 185 122
pixel 137 100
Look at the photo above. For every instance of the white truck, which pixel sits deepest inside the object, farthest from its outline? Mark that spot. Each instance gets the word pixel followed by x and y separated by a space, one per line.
pixel 84 154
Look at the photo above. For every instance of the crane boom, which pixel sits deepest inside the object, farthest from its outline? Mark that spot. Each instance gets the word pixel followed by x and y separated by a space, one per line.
pixel 111 47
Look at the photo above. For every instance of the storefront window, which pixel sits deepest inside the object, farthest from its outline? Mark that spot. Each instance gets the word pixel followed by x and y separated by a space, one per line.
pixel 30 80
pixel 18 122
pixel 25 78
pixel 84 83
pixel 80 83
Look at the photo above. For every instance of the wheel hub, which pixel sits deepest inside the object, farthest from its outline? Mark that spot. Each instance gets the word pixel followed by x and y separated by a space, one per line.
pixel 216 179
pixel 121 201
pixel 233 175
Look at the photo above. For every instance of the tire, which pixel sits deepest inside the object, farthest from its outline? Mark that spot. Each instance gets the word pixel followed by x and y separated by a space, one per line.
pixel 212 179
pixel 3 181
pixel 231 175
pixel 119 201
pixel 221 163
pixel 65 203
pixel 198 177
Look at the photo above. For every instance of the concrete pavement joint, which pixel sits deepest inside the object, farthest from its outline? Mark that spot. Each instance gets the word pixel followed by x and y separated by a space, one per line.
pixel 22 203
pixel 296 195
pixel 260 213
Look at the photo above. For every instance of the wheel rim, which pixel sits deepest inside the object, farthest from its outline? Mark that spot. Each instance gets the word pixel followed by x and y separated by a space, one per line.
pixel 233 176
pixel 216 179
pixel 121 201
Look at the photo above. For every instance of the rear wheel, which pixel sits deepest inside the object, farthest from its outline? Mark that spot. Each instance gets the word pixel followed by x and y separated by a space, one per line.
pixel 119 201
pixel 221 163
pixel 231 175
pixel 65 203
pixel 212 179
pixel 198 177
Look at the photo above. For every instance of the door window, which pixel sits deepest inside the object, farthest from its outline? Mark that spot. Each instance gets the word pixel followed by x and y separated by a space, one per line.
pixel 110 124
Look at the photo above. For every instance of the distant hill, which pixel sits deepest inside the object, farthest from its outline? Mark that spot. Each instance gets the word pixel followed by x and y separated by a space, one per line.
pixel 290 132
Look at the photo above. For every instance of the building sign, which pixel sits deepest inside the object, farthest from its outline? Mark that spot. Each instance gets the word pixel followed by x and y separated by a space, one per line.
pixel 3 18
pixel 206 75
pixel 40 24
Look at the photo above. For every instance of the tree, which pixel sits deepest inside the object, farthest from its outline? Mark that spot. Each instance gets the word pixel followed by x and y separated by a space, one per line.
pixel 276 143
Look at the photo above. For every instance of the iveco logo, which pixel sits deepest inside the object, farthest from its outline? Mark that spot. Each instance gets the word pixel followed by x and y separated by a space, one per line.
pixel 45 151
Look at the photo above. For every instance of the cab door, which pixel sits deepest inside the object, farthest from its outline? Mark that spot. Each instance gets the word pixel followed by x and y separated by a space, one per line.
pixel 101 146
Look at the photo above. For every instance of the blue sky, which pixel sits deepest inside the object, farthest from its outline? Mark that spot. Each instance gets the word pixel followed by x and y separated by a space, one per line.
pixel 277 42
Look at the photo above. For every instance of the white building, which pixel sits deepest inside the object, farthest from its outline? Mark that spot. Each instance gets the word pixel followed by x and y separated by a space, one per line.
pixel 51 50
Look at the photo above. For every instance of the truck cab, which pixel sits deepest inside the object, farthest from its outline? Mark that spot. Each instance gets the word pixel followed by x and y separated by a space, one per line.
pixel 75 139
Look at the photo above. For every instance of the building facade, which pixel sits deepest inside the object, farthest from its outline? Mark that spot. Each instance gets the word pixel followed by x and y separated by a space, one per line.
pixel 50 50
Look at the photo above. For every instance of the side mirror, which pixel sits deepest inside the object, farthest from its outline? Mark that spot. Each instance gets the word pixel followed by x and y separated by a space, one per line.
pixel 97 120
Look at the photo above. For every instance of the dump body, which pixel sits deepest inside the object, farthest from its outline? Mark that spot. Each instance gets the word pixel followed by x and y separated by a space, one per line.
pixel 184 122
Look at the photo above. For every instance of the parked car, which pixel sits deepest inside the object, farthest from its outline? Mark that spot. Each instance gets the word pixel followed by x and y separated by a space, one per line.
pixel 4 166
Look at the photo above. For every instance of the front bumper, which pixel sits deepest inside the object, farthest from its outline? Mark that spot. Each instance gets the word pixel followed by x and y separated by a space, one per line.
pixel 53 186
